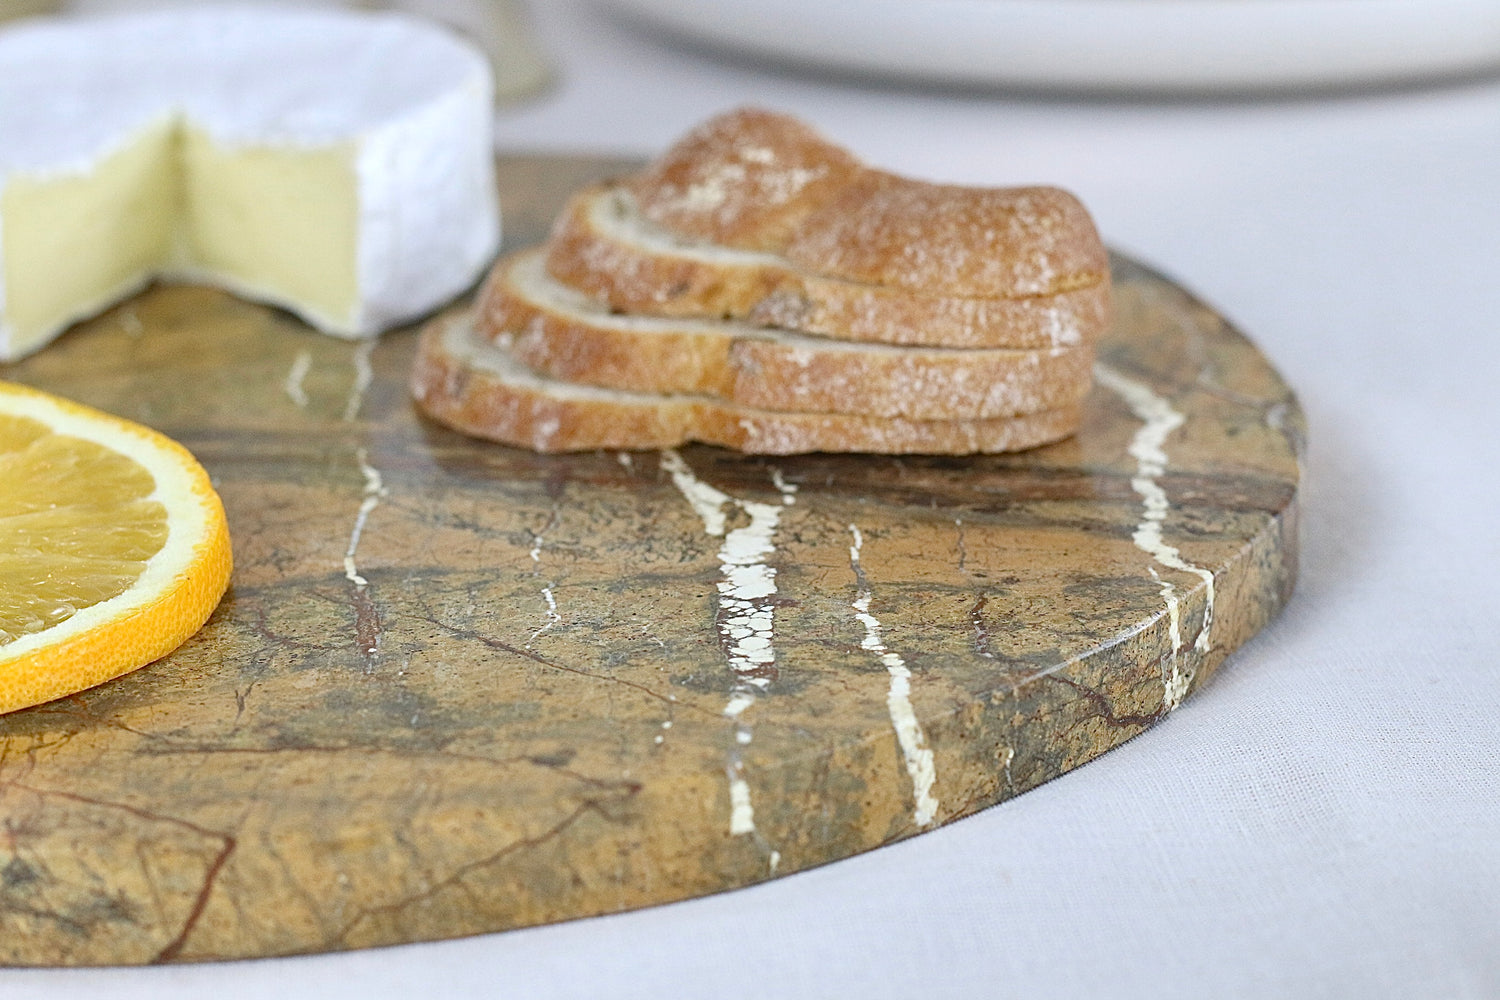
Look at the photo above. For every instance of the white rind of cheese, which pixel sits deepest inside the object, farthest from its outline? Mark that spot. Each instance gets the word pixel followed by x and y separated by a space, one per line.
pixel 335 163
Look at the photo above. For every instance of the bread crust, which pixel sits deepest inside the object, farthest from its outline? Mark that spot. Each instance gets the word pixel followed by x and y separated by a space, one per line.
pixel 881 229
pixel 756 180
pixel 479 389
pixel 601 246
pixel 744 179
pixel 556 332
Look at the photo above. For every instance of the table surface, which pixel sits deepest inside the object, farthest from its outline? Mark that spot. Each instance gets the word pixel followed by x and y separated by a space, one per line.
pixel 1320 819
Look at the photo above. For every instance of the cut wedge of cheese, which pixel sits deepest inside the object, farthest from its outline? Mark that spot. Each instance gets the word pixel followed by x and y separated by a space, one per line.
pixel 335 163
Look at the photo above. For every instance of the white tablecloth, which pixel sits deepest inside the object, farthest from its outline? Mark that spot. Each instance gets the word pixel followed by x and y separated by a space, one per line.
pixel 1323 818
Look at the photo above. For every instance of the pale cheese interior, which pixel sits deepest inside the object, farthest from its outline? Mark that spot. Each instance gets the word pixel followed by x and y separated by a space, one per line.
pixel 274 223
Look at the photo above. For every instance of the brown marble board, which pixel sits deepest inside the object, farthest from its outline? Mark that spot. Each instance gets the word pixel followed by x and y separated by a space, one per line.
pixel 458 687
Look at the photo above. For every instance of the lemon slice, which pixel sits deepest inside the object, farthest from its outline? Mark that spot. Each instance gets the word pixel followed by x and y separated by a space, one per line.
pixel 113 547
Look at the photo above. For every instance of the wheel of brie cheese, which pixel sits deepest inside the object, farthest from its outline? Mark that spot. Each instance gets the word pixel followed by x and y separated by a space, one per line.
pixel 334 163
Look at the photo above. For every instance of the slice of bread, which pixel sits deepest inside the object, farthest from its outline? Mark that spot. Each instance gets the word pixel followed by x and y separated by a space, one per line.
pixel 606 248
pixel 479 388
pixel 757 180
pixel 558 332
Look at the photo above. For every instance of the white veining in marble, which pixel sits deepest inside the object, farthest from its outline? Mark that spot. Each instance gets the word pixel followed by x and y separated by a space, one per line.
pixel 746 615
pixel 738 702
pixel 706 501
pixel 364 374
pixel 553 618
pixel 741 811
pixel 746 618
pixel 913 742
pixel 374 492
pixel 539 536
pixel 301 365
pixel 1148 447
pixel 787 490
pixel 130 322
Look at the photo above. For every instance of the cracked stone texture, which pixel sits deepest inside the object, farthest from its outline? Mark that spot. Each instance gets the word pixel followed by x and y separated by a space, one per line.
pixel 327 766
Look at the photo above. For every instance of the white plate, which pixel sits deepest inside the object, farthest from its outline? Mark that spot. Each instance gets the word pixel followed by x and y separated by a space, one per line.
pixel 1166 45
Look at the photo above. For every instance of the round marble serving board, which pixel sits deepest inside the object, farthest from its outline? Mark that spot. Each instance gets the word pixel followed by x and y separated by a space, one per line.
pixel 458 687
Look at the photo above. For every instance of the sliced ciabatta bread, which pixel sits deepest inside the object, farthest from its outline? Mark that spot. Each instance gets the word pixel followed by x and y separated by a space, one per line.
pixel 479 388
pixel 606 248
pixel 558 332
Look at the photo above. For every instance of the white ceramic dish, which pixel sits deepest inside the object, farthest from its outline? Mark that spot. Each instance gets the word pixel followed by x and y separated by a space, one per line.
pixel 1135 45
